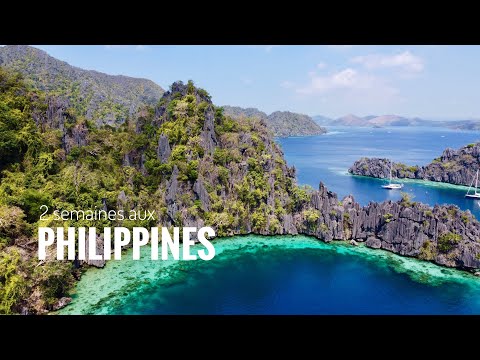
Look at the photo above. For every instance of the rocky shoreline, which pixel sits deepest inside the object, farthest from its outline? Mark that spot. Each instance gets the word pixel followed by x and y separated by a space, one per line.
pixel 444 235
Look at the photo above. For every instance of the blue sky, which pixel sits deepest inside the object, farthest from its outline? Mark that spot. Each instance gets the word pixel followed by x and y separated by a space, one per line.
pixel 441 82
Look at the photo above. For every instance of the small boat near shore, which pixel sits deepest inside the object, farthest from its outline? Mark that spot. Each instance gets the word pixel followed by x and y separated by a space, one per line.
pixel 476 194
pixel 390 185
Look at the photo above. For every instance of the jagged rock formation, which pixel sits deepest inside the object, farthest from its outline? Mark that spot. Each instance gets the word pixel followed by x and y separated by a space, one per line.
pixel 208 137
pixel 106 99
pixel 281 123
pixel 453 166
pixel 98 250
pixel 442 234
pixel 56 113
pixel 163 150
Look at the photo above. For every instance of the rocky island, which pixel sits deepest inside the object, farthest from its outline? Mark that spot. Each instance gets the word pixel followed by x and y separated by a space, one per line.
pixel 192 164
pixel 453 166
pixel 281 123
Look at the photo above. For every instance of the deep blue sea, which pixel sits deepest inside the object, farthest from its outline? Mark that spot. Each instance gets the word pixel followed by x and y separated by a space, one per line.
pixel 327 158
pixel 301 275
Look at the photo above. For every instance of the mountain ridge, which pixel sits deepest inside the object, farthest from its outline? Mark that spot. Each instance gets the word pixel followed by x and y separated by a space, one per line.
pixel 109 99
pixel 395 120
pixel 379 121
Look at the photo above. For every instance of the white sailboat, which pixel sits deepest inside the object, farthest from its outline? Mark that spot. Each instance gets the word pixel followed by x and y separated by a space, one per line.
pixel 476 194
pixel 390 185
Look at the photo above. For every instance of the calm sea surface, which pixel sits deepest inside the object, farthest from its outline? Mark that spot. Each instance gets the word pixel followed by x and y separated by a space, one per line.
pixel 327 158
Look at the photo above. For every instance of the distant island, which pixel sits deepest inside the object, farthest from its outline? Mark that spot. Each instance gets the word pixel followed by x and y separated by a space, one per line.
pixel 282 123
pixel 473 125
pixel 453 166
pixel 372 121
pixel 376 121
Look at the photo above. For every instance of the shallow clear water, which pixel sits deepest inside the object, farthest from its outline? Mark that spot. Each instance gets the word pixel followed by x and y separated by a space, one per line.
pixel 277 275
pixel 301 275
pixel 327 158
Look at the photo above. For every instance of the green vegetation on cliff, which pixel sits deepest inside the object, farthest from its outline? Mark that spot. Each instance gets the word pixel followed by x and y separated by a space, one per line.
pixel 184 159
pixel 106 99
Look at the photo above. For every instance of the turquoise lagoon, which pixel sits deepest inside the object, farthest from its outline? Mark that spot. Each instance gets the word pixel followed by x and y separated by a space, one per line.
pixel 277 275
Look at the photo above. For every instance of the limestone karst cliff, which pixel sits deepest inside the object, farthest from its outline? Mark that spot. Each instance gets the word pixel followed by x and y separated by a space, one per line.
pixel 453 166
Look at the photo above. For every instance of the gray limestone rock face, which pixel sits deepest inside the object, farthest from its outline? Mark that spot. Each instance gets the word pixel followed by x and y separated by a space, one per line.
pixel 99 251
pixel 288 225
pixel 208 137
pixel 77 138
pixel 202 194
pixel 373 242
pixel 122 201
pixel 171 195
pixel 163 149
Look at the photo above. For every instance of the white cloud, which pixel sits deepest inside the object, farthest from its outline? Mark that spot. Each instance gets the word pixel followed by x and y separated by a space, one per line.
pixel 348 78
pixel 405 60
pixel 350 86
pixel 321 65
pixel 247 81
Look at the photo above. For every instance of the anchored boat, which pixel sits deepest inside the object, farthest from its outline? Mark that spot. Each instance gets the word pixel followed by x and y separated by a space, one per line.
pixel 476 194
pixel 390 185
